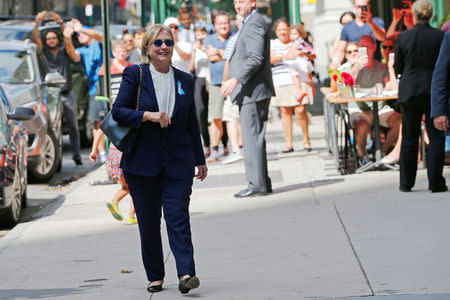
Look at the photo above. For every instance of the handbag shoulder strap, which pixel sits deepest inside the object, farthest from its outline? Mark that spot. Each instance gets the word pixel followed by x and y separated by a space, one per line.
pixel 139 88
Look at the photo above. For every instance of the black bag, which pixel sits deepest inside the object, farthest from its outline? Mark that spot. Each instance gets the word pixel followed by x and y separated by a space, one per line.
pixel 121 136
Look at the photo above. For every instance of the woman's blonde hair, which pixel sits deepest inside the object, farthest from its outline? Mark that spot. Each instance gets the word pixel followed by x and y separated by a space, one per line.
pixel 422 10
pixel 149 37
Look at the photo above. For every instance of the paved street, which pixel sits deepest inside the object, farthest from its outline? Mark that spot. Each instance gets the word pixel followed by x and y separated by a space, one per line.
pixel 318 236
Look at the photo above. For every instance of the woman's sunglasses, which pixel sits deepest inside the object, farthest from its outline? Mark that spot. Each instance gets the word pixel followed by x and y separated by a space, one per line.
pixel 388 47
pixel 352 51
pixel 168 43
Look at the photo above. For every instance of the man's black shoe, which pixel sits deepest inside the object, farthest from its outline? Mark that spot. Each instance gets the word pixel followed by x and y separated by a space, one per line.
pixel 78 161
pixel 404 189
pixel 439 190
pixel 249 193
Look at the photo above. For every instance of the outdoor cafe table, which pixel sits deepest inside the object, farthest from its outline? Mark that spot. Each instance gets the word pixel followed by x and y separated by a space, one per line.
pixel 331 133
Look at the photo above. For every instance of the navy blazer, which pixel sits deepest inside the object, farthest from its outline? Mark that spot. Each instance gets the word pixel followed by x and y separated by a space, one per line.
pixel 176 149
pixel 416 53
pixel 440 85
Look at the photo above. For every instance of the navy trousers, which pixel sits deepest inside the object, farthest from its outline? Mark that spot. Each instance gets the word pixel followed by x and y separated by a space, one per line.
pixel 149 194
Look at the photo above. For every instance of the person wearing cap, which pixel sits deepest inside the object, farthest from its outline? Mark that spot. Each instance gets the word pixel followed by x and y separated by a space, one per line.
pixel 183 50
pixel 90 54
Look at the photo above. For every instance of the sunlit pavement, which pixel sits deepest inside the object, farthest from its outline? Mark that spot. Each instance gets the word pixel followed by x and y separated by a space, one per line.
pixel 319 235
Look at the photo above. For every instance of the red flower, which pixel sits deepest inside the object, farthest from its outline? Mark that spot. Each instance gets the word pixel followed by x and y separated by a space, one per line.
pixel 335 77
pixel 347 79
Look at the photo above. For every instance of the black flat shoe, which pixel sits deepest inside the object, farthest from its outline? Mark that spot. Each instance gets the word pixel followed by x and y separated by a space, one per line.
pixel 404 189
pixel 154 288
pixel 439 190
pixel 188 284
pixel 249 193
pixel 288 150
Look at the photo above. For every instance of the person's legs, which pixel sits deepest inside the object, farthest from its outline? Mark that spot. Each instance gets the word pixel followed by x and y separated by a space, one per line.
pixel 175 197
pixel 121 192
pixel 97 109
pixel 224 139
pixel 435 154
pixel 215 112
pixel 201 105
pixel 302 118
pixel 233 134
pixel 411 117
pixel 216 132
pixel 286 122
pixel 146 194
pixel 362 124
pixel 254 122
pixel 393 122
pixel 70 112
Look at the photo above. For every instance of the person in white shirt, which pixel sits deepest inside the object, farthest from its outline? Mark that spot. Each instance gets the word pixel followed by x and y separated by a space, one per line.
pixel 200 68
pixel 186 33
pixel 183 50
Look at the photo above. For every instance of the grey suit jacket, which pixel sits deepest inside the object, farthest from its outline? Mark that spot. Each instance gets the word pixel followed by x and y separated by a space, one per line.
pixel 250 62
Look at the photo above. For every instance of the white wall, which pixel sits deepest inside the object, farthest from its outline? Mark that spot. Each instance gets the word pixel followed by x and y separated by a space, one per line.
pixel 324 26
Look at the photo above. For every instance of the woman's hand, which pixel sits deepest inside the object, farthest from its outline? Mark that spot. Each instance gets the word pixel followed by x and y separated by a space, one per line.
pixel 160 117
pixel 202 172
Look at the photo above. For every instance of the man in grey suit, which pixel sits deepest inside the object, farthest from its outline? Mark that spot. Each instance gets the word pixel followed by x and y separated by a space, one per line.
pixel 251 87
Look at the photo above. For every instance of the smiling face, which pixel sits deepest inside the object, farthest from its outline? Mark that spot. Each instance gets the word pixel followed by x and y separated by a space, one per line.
pixel 244 7
pixel 222 25
pixel 120 53
pixel 351 52
pixel 185 20
pixel 161 54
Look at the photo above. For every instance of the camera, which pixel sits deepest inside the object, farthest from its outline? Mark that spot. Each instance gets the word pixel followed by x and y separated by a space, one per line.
pixel 364 8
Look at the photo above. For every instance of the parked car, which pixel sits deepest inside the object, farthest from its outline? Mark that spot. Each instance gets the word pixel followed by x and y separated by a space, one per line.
pixel 22 29
pixel 13 161
pixel 28 81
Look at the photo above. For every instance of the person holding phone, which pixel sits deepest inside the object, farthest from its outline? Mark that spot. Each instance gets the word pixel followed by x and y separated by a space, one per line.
pixel 59 59
pixel 368 73
pixel 363 24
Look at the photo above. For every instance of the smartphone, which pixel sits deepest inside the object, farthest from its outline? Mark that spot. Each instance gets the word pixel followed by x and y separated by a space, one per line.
pixel 406 4
pixel 391 56
pixel 362 51
pixel 202 41
pixel 364 8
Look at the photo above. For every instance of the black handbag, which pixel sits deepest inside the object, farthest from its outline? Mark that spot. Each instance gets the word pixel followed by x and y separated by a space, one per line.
pixel 121 136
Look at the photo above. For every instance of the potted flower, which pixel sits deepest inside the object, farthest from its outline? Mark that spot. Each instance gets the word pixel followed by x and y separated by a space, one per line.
pixel 347 83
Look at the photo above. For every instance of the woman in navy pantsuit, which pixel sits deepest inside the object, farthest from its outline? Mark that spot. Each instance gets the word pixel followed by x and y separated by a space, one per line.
pixel 160 168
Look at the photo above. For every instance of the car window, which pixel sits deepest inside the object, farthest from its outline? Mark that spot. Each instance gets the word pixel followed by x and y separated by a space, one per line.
pixel 44 67
pixel 8 34
pixel 16 67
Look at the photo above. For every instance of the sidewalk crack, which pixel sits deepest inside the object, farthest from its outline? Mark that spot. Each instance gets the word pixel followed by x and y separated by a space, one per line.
pixel 354 250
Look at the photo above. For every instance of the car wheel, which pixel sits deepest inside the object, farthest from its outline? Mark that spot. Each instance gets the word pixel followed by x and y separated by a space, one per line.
pixel 48 162
pixel 13 214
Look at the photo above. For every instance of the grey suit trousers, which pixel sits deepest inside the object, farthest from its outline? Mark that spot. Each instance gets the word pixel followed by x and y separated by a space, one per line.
pixel 254 117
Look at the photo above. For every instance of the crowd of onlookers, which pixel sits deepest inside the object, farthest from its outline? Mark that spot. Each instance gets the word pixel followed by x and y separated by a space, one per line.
pixel 363 49
pixel 401 59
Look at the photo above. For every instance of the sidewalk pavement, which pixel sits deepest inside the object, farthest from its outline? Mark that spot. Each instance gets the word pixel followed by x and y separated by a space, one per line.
pixel 318 236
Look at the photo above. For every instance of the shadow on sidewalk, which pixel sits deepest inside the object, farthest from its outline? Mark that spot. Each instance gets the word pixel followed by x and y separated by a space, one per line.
pixel 38 293
pixel 298 186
